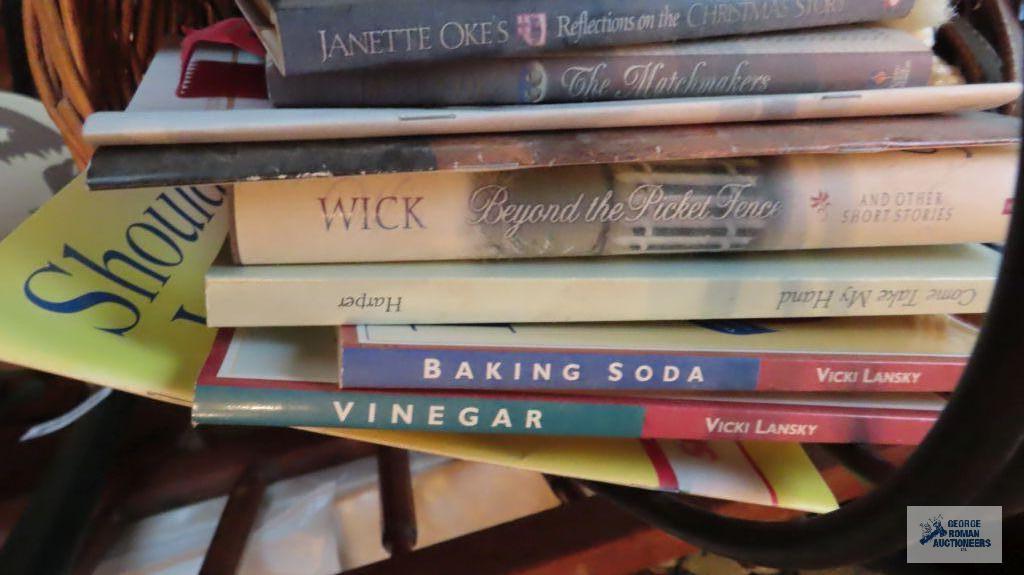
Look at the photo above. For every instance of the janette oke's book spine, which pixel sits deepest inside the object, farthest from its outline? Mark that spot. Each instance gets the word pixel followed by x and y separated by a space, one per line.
pixel 489 369
pixel 733 68
pixel 781 203
pixel 320 36
pixel 282 406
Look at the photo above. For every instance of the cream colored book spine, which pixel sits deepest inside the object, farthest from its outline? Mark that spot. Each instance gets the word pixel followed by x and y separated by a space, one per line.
pixel 787 202
pixel 818 283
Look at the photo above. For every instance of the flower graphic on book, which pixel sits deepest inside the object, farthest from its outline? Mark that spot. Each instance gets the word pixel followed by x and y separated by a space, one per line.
pixel 533 83
pixel 532 28
pixel 881 78
pixel 820 203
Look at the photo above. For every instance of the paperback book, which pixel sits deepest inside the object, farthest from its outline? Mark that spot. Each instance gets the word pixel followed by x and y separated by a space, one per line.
pixel 876 354
pixel 304 36
pixel 775 203
pixel 801 62
pixel 118 167
pixel 295 392
pixel 813 283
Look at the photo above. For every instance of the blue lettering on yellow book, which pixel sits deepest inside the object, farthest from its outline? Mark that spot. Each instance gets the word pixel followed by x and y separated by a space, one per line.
pixel 137 270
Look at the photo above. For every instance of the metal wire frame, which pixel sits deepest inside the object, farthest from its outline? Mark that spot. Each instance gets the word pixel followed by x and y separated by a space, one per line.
pixel 972 455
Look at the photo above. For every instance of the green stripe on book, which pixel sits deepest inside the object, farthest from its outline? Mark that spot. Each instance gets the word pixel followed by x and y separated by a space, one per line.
pixel 279 407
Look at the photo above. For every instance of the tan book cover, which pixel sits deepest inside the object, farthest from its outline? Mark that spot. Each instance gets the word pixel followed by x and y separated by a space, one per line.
pixel 775 203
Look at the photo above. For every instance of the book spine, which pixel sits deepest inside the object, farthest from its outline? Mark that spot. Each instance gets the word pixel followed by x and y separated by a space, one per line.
pixel 602 76
pixel 152 166
pixel 402 367
pixel 696 420
pixel 351 35
pixel 406 299
pixel 781 203
pixel 289 125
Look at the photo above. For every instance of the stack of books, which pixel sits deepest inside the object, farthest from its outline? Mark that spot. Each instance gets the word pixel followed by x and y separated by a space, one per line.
pixel 640 231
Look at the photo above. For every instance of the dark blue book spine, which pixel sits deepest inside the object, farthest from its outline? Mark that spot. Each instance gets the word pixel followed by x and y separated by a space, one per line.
pixel 318 36
pixel 494 370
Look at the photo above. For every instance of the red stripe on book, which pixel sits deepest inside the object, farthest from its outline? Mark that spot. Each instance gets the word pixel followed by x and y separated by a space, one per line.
pixel 348 336
pixel 767 484
pixel 662 468
pixel 781 422
pixel 271 384
pixel 208 374
pixel 857 374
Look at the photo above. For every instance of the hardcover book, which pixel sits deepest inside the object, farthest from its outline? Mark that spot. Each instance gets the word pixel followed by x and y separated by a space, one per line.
pixel 815 283
pixel 306 36
pixel 801 62
pixel 118 167
pixel 295 385
pixel 157 116
pixel 890 354
pixel 789 202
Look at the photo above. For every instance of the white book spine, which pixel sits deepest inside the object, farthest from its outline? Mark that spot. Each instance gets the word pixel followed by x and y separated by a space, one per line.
pixel 409 300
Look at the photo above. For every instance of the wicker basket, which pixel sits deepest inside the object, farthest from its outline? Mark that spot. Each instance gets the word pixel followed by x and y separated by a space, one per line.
pixel 89 55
